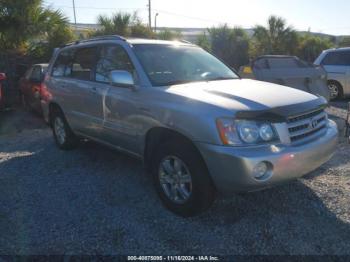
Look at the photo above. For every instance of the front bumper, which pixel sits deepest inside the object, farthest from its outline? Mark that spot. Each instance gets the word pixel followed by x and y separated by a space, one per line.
pixel 231 168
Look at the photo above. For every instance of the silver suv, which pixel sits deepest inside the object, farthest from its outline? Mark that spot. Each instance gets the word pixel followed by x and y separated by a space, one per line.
pixel 198 127
pixel 337 64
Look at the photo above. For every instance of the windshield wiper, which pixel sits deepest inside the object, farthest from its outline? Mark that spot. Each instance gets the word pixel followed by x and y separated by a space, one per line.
pixel 177 82
pixel 220 78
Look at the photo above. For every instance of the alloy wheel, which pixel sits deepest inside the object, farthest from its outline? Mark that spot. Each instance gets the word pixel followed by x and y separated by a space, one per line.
pixel 60 130
pixel 175 179
pixel 334 90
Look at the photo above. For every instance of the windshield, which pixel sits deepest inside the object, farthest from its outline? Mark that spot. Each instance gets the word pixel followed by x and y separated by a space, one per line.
pixel 172 64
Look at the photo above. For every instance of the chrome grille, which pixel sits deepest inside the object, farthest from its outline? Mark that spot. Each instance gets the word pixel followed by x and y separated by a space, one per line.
pixel 307 126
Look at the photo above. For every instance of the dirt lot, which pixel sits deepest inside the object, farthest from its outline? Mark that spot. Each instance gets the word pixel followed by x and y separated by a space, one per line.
pixel 96 201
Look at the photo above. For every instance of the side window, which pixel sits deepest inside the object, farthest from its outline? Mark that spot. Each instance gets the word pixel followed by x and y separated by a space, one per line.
pixel 63 64
pixel 83 63
pixel 261 64
pixel 280 63
pixel 337 58
pixel 112 57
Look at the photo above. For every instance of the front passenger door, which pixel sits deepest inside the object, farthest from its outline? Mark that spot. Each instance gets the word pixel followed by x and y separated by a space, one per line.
pixel 120 104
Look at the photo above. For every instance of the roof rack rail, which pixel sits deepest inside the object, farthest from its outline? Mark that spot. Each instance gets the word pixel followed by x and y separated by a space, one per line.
pixel 98 38
pixel 186 42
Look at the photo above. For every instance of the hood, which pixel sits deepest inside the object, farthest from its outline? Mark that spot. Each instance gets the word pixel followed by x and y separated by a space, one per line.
pixel 242 94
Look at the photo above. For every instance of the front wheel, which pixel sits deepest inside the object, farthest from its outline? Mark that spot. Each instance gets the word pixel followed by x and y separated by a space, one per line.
pixel 182 180
pixel 335 90
pixel 64 136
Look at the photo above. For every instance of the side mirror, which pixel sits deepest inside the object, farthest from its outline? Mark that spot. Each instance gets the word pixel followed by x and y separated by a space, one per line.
pixel 2 76
pixel 121 78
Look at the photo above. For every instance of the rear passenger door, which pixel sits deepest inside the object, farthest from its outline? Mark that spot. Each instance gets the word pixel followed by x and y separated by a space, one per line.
pixel 81 99
pixel 88 95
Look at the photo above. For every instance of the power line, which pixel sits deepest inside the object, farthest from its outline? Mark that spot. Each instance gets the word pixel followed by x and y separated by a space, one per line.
pixel 93 7
pixel 189 17
pixel 144 9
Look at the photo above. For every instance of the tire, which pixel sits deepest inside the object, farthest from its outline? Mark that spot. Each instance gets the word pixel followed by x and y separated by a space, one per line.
pixel 200 192
pixel 64 136
pixel 335 89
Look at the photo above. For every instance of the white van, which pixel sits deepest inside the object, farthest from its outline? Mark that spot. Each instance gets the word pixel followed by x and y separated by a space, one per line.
pixel 337 64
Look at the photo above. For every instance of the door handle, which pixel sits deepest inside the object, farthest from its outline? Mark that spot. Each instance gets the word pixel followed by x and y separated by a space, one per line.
pixel 94 89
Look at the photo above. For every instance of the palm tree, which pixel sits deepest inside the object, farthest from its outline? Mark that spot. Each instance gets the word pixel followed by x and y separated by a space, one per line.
pixel 22 21
pixel 118 24
pixel 123 24
pixel 276 38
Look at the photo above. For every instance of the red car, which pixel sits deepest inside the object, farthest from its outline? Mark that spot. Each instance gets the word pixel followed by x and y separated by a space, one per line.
pixel 32 87
pixel 2 98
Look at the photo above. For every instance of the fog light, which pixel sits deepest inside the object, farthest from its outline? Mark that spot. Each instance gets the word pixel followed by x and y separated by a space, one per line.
pixel 260 170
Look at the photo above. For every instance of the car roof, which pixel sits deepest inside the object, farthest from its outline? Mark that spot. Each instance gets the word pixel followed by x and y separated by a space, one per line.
pixel 156 41
pixel 275 56
pixel 337 49
pixel 132 41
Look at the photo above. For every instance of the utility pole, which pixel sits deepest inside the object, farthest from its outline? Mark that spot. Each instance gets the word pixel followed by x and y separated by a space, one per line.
pixel 75 16
pixel 155 22
pixel 149 14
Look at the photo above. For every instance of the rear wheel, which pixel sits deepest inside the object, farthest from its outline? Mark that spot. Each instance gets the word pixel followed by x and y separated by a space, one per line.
pixel 335 90
pixel 64 136
pixel 182 179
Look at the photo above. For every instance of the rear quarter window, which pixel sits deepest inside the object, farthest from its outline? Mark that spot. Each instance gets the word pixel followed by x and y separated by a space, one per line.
pixel 63 64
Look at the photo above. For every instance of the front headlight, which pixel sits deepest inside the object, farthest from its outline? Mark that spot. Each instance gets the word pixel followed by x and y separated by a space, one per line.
pixel 241 132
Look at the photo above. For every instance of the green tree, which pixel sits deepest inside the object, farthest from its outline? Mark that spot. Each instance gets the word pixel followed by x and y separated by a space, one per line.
pixel 310 46
pixel 275 39
pixel 230 44
pixel 203 41
pixel 25 21
pixel 345 41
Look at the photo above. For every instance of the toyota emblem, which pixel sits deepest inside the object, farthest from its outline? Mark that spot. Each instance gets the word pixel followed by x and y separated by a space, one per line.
pixel 314 123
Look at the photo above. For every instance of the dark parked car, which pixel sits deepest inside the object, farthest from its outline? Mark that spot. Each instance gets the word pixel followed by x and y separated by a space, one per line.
pixel 32 86
pixel 289 71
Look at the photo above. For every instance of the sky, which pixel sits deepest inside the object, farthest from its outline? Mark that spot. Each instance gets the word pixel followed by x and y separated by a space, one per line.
pixel 322 16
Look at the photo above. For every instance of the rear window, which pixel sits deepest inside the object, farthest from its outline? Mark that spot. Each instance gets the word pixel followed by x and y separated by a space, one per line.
pixel 341 58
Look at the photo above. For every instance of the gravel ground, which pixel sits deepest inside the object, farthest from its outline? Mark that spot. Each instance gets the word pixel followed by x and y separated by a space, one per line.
pixel 97 201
